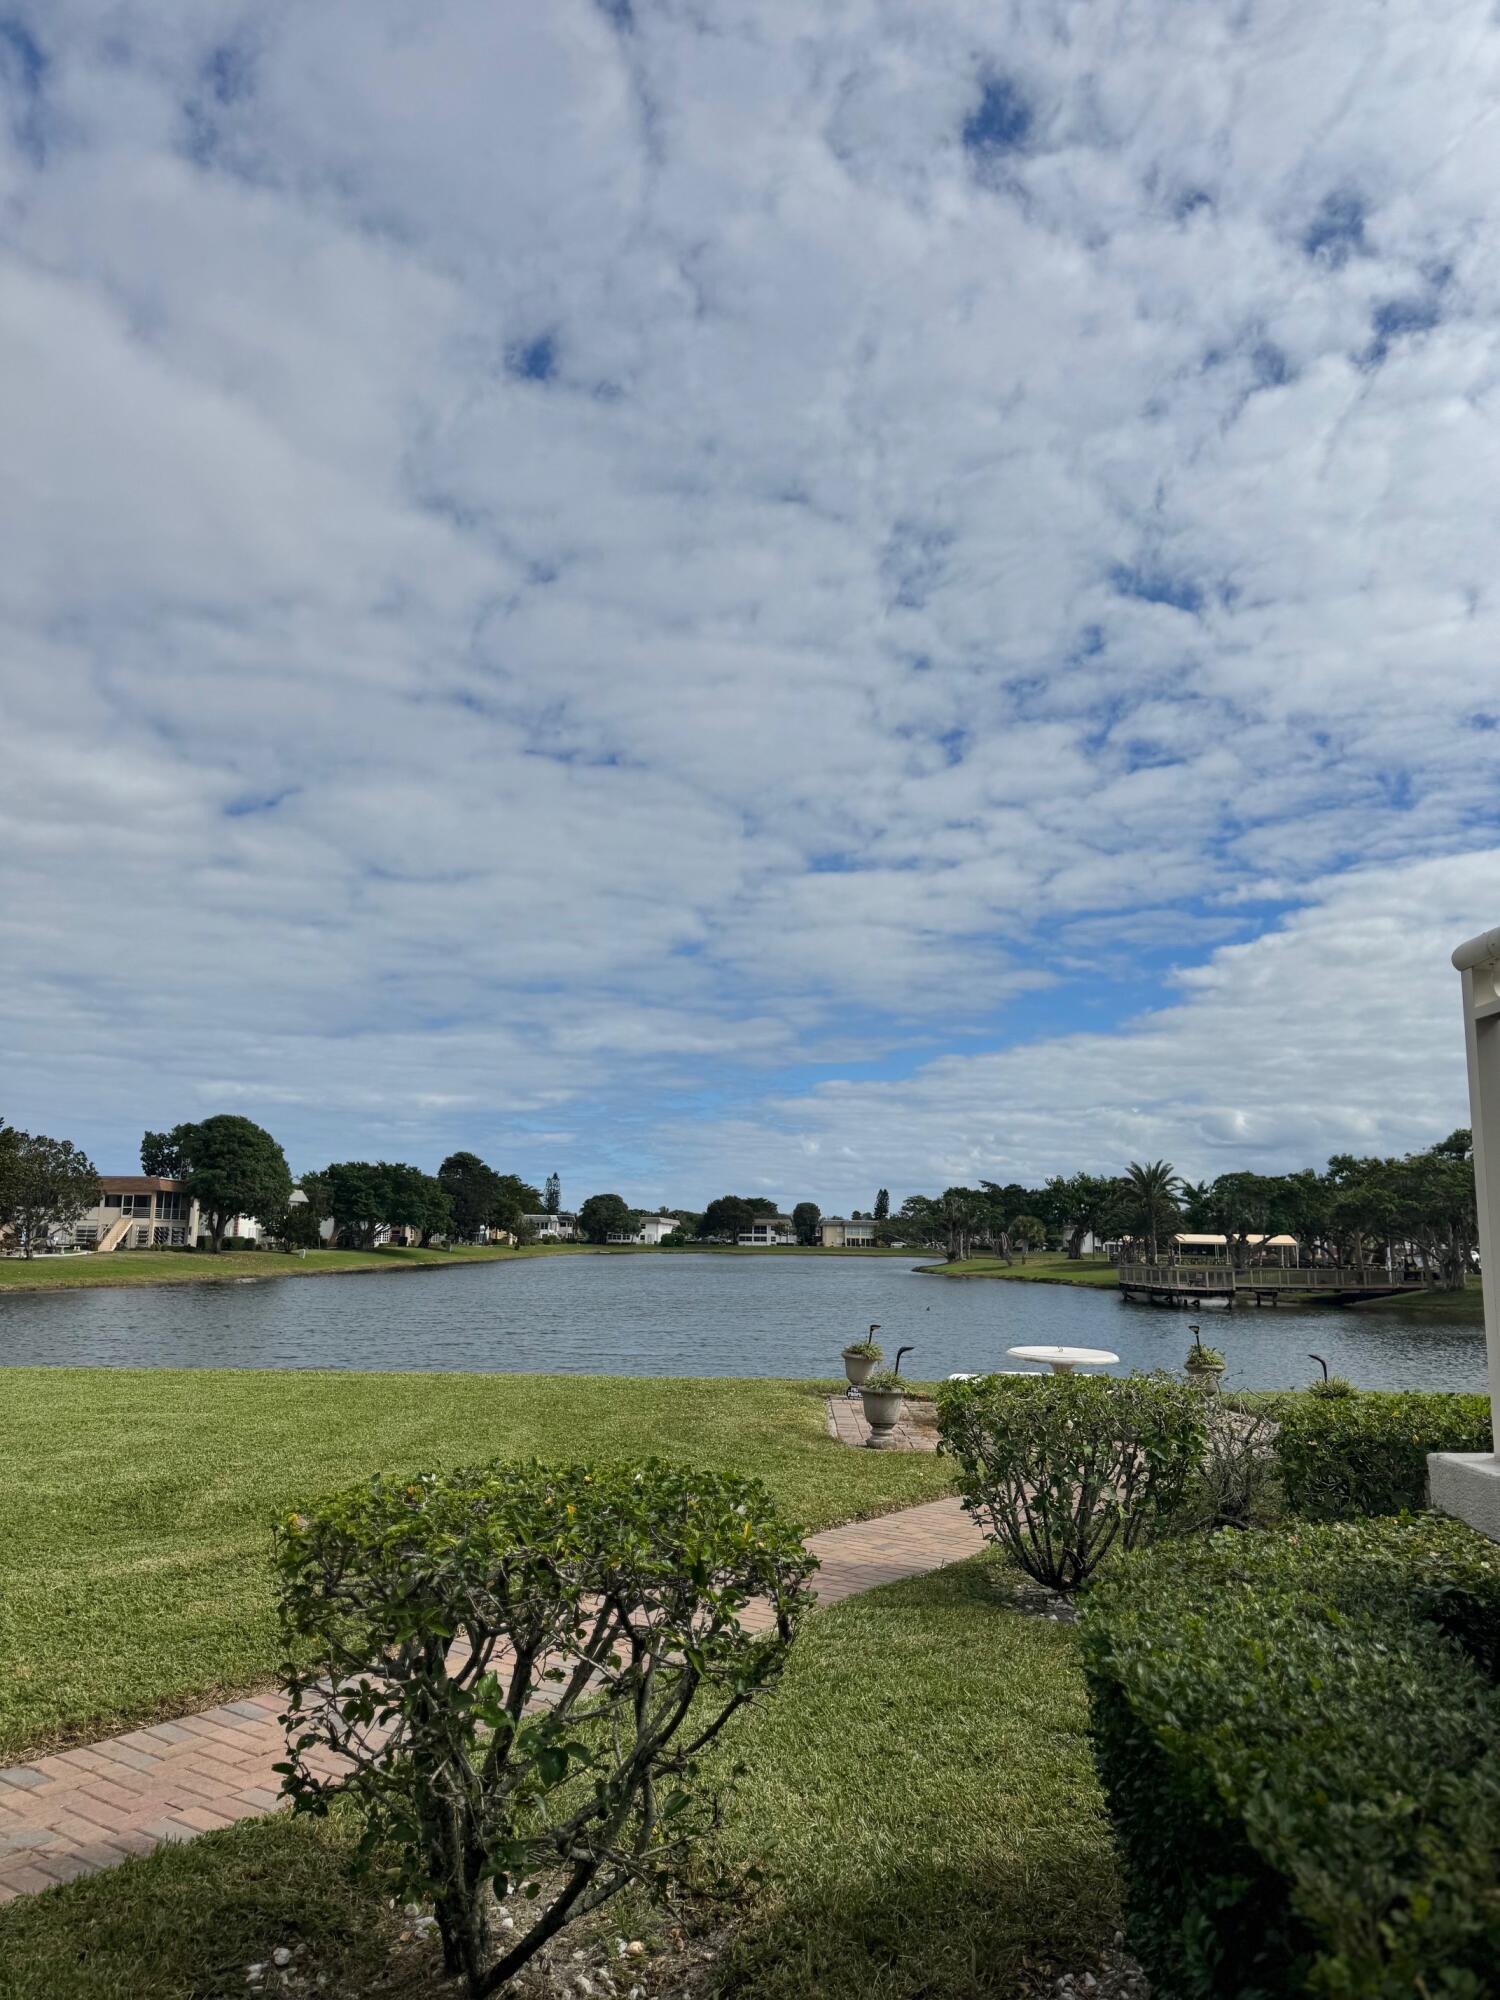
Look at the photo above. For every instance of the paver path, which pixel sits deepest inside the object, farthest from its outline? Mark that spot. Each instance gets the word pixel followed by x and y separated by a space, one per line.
pixel 81 1810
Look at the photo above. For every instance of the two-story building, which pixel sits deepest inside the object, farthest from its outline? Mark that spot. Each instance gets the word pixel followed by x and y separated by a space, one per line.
pixel 139 1212
pixel 548 1228
pixel 835 1233
pixel 768 1230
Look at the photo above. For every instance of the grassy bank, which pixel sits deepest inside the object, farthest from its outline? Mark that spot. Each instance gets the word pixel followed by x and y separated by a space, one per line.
pixel 1040 1269
pixel 177 1267
pixel 920 1800
pixel 138 1502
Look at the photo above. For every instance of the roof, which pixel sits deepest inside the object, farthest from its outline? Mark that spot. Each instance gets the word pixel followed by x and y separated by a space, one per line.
pixel 1274 1242
pixel 140 1184
pixel 1183 1236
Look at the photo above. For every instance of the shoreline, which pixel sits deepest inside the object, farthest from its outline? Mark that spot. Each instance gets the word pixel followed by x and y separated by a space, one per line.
pixel 81 1273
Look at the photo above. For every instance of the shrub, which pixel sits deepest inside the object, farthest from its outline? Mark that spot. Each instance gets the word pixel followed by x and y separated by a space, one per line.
pixel 866 1350
pixel 885 1382
pixel 1302 1767
pixel 1347 1456
pixel 1061 1469
pixel 1238 1482
pixel 514 1670
pixel 1334 1387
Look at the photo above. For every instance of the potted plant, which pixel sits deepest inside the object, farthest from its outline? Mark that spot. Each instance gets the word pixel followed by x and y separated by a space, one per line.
pixel 1204 1365
pixel 860 1357
pixel 882 1396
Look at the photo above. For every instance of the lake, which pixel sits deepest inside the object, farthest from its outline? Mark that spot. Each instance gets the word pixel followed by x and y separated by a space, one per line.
pixel 690 1315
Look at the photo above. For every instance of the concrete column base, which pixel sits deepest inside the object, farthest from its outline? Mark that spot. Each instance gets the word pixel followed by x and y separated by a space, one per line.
pixel 1466 1484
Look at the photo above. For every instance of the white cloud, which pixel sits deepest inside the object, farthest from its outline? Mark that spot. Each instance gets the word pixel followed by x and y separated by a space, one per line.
pixel 558 565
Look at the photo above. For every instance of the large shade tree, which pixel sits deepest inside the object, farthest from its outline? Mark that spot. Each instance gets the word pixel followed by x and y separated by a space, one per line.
pixel 473 1189
pixel 728 1217
pixel 231 1166
pixel 45 1184
pixel 606 1215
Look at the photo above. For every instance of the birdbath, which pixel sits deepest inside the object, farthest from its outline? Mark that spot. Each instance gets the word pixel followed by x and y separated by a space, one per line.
pixel 1063 1360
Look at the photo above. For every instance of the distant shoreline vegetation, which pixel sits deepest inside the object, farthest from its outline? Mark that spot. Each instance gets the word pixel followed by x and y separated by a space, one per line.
pixel 222 1185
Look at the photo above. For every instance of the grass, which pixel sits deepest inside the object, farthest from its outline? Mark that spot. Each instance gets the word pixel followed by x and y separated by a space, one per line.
pixel 1041 1268
pixel 138 1503
pixel 919 1797
pixel 177 1267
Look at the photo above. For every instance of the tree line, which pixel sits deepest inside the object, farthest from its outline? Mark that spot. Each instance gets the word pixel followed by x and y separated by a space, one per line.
pixel 1417 1207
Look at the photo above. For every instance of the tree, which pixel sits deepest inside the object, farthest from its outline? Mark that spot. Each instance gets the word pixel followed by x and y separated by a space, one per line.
pixel 557 1750
pixel 232 1166
pixel 1150 1193
pixel 1080 1203
pixel 45 1184
pixel 161 1153
pixel 300 1227
pixel 883 1205
pixel 606 1215
pixel 415 1200
pixel 10 1171
pixel 730 1216
pixel 805 1219
pixel 1027 1232
pixel 551 1197
pixel 357 1193
pixel 515 1198
pixel 473 1189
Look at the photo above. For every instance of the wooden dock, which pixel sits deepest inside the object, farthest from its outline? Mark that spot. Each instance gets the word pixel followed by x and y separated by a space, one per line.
pixel 1169 1282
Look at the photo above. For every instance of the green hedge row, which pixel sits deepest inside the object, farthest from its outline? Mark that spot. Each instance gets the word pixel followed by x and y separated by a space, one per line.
pixel 1342 1458
pixel 1299 1735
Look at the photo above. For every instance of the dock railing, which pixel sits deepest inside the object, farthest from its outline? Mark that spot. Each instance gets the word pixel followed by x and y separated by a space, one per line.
pixel 1169 1274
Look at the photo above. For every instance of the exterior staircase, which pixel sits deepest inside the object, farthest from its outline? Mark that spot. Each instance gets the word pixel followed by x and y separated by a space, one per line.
pixel 116 1233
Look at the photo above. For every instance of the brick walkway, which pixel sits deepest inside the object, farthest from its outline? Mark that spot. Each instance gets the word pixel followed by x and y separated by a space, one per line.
pixel 81 1810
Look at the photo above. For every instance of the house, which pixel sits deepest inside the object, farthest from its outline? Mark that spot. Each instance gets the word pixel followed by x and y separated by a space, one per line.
pixel 767 1230
pixel 650 1229
pixel 139 1212
pixel 835 1233
pixel 548 1228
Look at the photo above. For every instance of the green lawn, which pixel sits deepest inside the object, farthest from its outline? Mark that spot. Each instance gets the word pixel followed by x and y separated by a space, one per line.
pixel 138 1503
pixel 1040 1268
pixel 920 1799
pixel 176 1267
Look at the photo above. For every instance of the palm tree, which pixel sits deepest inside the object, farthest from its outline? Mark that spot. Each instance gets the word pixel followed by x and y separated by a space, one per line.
pixel 1151 1191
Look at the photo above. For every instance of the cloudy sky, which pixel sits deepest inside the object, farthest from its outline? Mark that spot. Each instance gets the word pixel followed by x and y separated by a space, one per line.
pixel 779 594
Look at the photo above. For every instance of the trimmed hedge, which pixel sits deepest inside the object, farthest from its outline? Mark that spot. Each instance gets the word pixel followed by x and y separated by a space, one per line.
pixel 1345 1457
pixel 1299 1735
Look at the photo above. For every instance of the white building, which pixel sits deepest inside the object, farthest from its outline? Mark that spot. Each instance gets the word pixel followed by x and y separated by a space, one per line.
pixel 548 1228
pixel 651 1229
pixel 767 1231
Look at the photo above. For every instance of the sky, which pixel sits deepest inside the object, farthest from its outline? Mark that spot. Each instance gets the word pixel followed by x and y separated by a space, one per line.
pixel 779 595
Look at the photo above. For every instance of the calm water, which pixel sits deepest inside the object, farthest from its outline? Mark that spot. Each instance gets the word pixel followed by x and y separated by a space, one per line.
pixel 686 1315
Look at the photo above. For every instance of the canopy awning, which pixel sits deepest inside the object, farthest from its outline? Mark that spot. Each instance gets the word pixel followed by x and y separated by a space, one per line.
pixel 1201 1242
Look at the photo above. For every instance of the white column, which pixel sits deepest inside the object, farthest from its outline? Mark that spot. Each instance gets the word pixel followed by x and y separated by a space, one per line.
pixel 1468 1483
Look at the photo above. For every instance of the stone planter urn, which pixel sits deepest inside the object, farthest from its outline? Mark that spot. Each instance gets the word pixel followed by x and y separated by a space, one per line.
pixel 1206 1375
pixel 859 1367
pixel 882 1413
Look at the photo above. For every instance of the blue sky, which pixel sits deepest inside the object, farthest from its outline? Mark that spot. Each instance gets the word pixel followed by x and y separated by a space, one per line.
pixel 783 596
